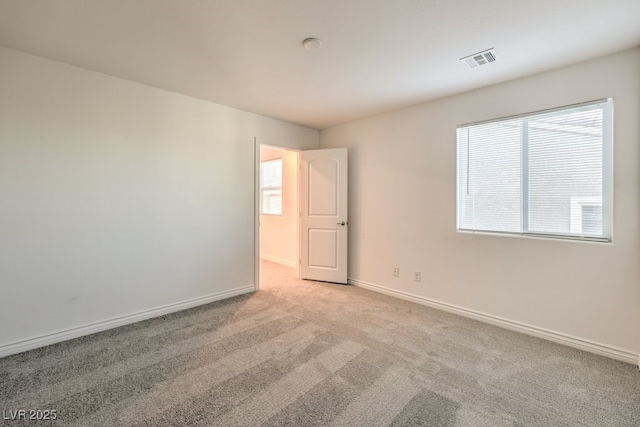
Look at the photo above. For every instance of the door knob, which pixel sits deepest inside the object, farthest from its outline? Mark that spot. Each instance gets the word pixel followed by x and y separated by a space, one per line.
pixel 343 223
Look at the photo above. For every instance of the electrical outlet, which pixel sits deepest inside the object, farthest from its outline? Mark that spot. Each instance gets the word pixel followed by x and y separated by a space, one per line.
pixel 396 271
pixel 417 276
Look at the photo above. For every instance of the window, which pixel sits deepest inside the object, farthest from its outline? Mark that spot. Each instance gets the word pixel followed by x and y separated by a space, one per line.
pixel 546 174
pixel 271 187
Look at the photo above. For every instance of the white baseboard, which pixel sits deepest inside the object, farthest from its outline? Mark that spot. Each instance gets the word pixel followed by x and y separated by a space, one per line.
pixel 280 261
pixel 557 337
pixel 67 334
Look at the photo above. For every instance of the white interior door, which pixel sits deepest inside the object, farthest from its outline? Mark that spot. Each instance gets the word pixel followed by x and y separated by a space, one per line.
pixel 323 215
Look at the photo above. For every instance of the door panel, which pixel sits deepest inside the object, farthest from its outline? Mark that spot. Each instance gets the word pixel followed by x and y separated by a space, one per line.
pixel 324 215
pixel 323 191
pixel 323 248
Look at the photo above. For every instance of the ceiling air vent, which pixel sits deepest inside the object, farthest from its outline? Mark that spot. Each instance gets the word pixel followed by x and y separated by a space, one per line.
pixel 480 58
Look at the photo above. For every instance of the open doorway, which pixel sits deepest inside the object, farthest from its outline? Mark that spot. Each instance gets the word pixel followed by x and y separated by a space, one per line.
pixel 278 207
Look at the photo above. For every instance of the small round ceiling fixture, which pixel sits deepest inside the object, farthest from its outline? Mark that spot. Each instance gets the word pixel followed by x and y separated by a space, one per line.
pixel 311 43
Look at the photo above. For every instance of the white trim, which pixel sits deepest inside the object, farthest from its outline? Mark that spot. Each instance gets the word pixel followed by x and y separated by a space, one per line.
pixel 557 337
pixel 298 260
pixel 103 325
pixel 256 213
pixel 280 261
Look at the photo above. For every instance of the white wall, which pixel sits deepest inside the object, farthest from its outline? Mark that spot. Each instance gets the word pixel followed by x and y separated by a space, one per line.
pixel 403 213
pixel 118 198
pixel 279 233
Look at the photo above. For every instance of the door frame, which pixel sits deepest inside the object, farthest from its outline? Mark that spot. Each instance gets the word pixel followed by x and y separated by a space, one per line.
pixel 256 206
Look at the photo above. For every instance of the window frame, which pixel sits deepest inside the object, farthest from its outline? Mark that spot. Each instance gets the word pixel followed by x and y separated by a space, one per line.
pixel 264 188
pixel 606 104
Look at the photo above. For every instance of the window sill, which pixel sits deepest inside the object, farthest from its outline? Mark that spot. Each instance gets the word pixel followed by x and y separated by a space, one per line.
pixel 555 238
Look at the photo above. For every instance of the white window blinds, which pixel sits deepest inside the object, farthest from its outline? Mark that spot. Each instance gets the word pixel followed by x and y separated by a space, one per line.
pixel 545 173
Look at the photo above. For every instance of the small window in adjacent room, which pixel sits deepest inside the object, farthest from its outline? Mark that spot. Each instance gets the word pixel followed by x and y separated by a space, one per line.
pixel 542 174
pixel 271 187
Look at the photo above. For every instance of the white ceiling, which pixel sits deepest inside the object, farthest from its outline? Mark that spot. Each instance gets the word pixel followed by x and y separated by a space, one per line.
pixel 377 55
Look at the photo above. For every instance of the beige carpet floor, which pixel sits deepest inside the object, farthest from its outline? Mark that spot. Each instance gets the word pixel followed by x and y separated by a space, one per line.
pixel 301 353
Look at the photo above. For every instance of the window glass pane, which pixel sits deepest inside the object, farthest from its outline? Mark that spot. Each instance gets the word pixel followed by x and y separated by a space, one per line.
pixel 272 201
pixel 565 163
pixel 272 173
pixel 490 162
pixel 271 187
pixel 592 220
